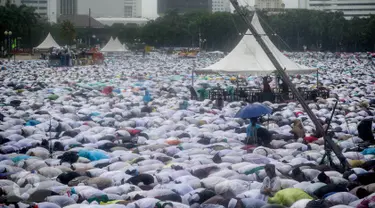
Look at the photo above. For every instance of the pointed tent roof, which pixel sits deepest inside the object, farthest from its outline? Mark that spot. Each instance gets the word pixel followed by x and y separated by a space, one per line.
pixel 48 43
pixel 109 43
pixel 248 57
pixel 113 45
pixel 117 41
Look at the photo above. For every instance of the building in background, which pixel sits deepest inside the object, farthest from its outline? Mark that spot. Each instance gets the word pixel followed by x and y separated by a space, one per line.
pixel 109 21
pixel 269 4
pixel 220 6
pixel 132 8
pixel 183 6
pixel 303 4
pixel 81 21
pixel 16 2
pixel 41 6
pixel 101 8
pixel 52 11
pixel 350 8
pixel 67 7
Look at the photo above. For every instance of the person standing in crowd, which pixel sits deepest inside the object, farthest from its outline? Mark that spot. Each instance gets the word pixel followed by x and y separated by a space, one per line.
pixel 267 91
pixel 365 130
pixel 266 85
pixel 284 89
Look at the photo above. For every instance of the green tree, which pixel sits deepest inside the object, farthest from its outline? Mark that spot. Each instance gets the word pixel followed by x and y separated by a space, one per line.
pixel 20 20
pixel 68 32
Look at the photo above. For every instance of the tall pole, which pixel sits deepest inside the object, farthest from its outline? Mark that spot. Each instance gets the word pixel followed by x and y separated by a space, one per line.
pixel 192 74
pixel 200 39
pixel 89 27
pixel 319 127
pixel 9 47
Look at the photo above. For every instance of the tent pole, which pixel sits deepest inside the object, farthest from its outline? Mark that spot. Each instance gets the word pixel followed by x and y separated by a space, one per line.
pixel 192 75
pixel 238 83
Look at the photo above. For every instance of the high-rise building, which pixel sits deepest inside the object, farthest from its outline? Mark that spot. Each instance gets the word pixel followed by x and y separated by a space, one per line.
pixel 350 8
pixel 52 11
pixel 220 6
pixel 303 4
pixel 41 6
pixel 16 2
pixel 101 8
pixel 183 6
pixel 133 8
pixel 269 4
pixel 67 7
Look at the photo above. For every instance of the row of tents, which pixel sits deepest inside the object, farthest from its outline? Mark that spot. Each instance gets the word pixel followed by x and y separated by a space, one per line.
pixel 113 45
pixel 248 57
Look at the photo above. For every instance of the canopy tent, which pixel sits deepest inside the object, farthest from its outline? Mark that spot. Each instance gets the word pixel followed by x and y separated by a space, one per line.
pixel 117 42
pixel 48 43
pixel 248 57
pixel 113 45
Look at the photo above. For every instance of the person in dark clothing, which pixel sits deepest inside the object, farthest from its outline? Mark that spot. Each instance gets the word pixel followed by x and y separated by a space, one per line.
pixel 144 178
pixel 368 165
pixel 266 85
pixel 193 93
pixel 264 137
pixel 203 196
pixel 284 89
pixel 322 177
pixel 365 130
pixel 298 175
pixel 319 204
pixel 267 92
pixel 220 102
pixel 362 193
pixel 70 157
pixel 170 197
pixel 365 178
pixel 64 178
pixel 321 192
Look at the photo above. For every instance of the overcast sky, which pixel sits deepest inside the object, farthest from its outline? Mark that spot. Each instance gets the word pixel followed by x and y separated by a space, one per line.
pixel 150 6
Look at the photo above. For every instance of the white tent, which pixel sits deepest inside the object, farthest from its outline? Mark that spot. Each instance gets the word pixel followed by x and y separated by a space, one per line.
pixel 117 42
pixel 248 57
pixel 113 46
pixel 48 43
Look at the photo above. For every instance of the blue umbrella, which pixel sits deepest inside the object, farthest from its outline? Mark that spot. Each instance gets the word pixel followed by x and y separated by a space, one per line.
pixel 253 111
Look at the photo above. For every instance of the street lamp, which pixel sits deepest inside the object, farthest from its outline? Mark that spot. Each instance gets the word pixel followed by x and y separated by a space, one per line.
pixel 8 34
pixel 94 40
pixel 201 41
pixel 277 39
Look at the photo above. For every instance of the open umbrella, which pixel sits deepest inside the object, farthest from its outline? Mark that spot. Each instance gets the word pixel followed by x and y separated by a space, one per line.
pixel 253 111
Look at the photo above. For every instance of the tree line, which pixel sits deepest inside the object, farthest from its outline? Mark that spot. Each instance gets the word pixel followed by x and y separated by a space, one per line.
pixel 290 30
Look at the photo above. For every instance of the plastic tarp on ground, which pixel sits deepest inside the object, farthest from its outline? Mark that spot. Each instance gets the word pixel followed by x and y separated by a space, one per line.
pixel 248 57
pixel 48 43
pixel 113 46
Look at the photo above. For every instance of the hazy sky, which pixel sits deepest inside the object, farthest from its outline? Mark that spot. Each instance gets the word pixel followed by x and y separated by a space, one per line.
pixel 150 6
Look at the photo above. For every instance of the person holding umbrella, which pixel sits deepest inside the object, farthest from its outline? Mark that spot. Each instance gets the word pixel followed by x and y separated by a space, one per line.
pixel 251 131
pixel 255 133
